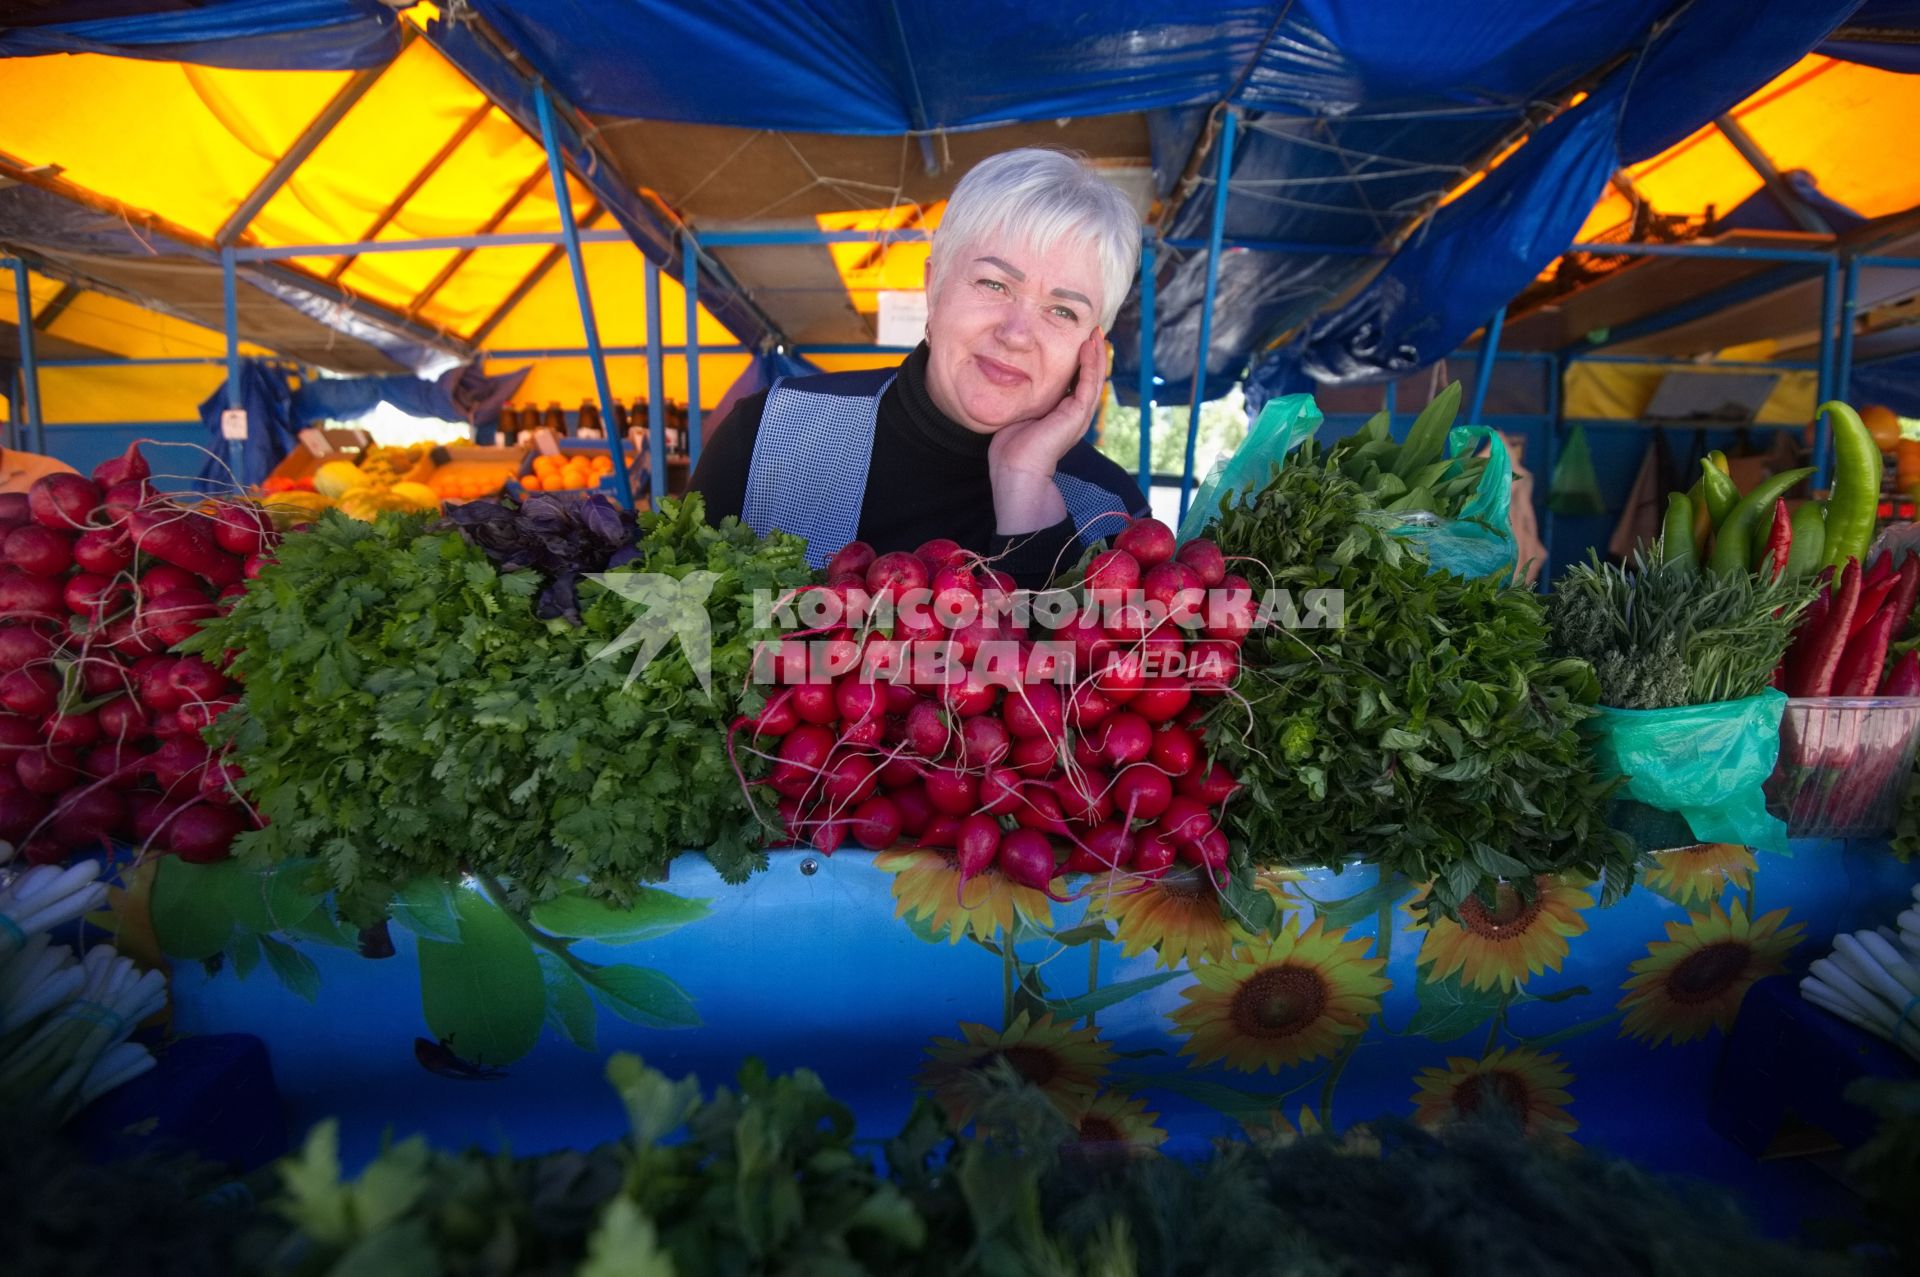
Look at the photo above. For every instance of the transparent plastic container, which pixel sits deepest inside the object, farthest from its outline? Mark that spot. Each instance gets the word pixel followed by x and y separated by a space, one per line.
pixel 1845 764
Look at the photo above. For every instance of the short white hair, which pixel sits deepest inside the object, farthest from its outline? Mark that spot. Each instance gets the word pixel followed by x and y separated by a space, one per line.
pixel 1039 197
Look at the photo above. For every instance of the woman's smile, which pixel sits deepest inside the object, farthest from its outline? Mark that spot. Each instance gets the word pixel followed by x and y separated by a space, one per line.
pixel 998 373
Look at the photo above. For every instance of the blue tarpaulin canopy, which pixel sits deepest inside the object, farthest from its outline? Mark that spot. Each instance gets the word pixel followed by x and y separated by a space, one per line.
pixel 1356 121
pixel 273 35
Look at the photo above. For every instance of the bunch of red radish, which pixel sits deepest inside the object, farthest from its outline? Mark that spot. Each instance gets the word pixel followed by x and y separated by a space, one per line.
pixel 100 729
pixel 1106 773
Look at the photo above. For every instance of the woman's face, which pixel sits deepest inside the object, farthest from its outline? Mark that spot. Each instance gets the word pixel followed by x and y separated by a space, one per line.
pixel 1005 327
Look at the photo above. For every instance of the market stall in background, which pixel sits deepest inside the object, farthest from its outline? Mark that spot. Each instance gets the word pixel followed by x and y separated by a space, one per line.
pixel 349 705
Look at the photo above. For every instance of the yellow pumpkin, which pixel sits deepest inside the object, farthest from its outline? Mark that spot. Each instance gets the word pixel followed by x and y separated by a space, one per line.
pixel 418 496
pixel 336 478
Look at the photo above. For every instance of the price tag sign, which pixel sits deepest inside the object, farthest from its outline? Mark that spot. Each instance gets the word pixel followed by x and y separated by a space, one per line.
pixel 903 317
pixel 315 442
pixel 233 424
pixel 545 444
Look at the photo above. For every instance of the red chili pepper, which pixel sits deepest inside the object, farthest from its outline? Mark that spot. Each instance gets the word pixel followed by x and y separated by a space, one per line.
pixel 1880 570
pixel 1800 659
pixel 1780 539
pixel 1904 680
pixel 1860 665
pixel 1833 640
pixel 1905 594
pixel 1873 594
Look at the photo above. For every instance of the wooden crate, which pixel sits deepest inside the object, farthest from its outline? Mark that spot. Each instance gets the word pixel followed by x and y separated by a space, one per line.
pixel 326 445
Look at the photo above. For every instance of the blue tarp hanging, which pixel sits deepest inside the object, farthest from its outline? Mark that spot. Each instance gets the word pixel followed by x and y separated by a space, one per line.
pixel 1894 382
pixel 1899 20
pixel 882 66
pixel 1486 246
pixel 264 35
pixel 268 399
pixel 461 394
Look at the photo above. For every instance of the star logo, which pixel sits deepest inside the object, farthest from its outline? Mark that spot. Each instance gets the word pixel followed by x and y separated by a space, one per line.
pixel 675 608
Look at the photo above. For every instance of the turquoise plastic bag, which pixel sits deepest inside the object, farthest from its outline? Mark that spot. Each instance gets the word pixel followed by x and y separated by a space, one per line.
pixel 1285 423
pixel 1708 764
pixel 1478 542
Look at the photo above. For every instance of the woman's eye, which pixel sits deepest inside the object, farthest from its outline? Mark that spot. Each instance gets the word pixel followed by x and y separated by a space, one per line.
pixel 1062 312
pixel 994 284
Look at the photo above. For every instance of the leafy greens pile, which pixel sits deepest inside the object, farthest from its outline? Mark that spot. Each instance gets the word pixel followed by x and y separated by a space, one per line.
pixel 1433 732
pixel 558 537
pixel 408 715
pixel 767 1180
pixel 1662 634
pixel 1414 475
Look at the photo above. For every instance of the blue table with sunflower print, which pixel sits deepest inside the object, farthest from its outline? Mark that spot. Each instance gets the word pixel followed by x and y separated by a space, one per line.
pixel 1143 1015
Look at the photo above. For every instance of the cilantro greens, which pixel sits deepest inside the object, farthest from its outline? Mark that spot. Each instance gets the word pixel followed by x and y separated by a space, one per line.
pixel 407 715
pixel 1432 733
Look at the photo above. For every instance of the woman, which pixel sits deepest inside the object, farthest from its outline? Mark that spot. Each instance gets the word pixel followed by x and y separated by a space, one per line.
pixel 980 435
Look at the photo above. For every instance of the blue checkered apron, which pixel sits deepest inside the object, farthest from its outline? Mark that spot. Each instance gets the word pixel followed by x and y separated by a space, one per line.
pixel 812 453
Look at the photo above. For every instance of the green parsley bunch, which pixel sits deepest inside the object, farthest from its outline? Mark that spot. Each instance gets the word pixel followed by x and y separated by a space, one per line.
pixel 406 714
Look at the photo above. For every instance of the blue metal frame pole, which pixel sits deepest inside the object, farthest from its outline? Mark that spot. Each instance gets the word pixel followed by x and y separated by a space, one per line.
pixel 656 390
pixel 29 370
pixel 570 234
pixel 1822 434
pixel 1543 476
pixel 1849 305
pixel 230 299
pixel 690 285
pixel 1483 372
pixel 1148 284
pixel 1736 252
pixel 1229 129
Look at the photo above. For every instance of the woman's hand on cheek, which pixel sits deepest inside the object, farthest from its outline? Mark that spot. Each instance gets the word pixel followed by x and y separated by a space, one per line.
pixel 1036 445
pixel 1022 456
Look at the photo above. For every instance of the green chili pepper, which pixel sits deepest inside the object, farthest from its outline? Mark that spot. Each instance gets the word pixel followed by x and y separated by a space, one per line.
pixel 1719 460
pixel 1857 471
pixel 1721 495
pixel 1809 540
pixel 1733 543
pixel 1702 521
pixel 1676 531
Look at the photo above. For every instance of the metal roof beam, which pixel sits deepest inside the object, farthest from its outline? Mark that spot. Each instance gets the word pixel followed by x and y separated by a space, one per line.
pixel 491 225
pixel 184 242
pixel 1803 215
pixel 493 68
pixel 540 271
pixel 68 294
pixel 303 146
pixel 412 188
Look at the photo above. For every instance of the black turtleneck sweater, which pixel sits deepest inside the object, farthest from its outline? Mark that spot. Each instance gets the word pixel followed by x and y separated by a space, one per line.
pixel 928 478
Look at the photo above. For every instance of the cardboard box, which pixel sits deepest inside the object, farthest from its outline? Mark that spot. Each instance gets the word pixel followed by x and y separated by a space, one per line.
pixel 496 465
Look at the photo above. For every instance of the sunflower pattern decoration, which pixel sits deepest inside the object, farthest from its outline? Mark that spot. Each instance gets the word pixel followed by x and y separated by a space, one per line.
pixel 1691 876
pixel 1066 1064
pixel 1177 915
pixel 927 888
pixel 1283 1000
pixel 1696 978
pixel 1503 944
pixel 1112 1120
pixel 1528 1084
